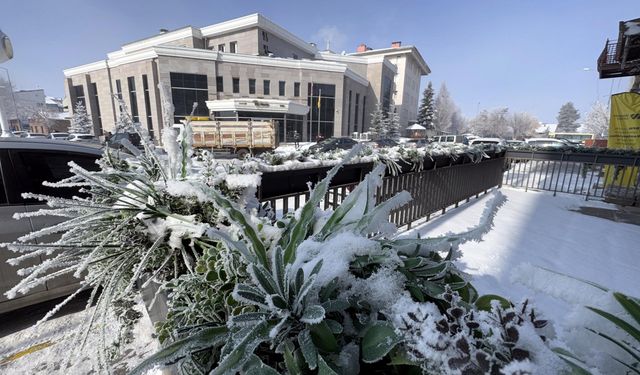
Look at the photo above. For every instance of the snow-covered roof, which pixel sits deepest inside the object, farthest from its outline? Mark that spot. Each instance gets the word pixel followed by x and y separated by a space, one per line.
pixel 416 127
pixel 632 28
pixel 52 100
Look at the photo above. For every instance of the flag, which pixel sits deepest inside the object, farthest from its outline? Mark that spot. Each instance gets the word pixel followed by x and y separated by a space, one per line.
pixel 318 102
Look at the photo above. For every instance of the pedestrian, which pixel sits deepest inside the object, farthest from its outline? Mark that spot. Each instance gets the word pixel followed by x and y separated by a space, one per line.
pixel 296 139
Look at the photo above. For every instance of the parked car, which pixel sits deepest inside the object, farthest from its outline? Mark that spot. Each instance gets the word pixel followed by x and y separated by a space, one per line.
pixel 385 142
pixel 18 133
pixel 487 141
pixel 451 138
pixel 331 144
pixel 514 143
pixel 59 136
pixel 115 141
pixel 550 144
pixel 32 135
pixel 81 138
pixel 25 164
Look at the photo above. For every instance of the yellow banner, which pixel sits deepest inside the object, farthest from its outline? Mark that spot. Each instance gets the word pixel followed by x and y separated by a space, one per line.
pixel 624 133
pixel 624 126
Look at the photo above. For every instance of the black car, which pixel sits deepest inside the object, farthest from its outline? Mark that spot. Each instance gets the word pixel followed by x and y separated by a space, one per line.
pixel 331 144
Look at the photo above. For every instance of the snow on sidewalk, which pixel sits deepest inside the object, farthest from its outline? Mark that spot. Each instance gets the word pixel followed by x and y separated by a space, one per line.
pixel 536 229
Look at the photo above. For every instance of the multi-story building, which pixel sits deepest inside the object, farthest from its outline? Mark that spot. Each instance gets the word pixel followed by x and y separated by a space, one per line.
pixel 249 67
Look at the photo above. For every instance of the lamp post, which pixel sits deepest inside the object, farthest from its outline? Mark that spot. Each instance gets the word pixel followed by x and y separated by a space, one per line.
pixel 6 53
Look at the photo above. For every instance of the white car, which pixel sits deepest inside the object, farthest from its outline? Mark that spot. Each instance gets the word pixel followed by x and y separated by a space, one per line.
pixel 59 136
pixel 550 144
pixel 25 164
pixel 32 135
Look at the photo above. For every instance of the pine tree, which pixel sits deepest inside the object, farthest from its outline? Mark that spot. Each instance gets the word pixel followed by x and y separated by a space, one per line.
pixel 377 126
pixel 392 124
pixel 80 122
pixel 567 118
pixel 426 112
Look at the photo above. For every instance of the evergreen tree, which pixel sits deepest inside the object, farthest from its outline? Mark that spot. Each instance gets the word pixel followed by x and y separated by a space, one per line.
pixel 567 118
pixel 392 124
pixel 80 122
pixel 426 112
pixel 377 126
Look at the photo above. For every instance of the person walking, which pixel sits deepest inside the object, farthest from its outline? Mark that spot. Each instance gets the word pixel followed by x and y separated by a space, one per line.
pixel 296 139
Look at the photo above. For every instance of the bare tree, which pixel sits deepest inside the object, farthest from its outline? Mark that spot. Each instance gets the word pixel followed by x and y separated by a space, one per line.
pixel 491 124
pixel 445 108
pixel 597 120
pixel 458 123
pixel 522 125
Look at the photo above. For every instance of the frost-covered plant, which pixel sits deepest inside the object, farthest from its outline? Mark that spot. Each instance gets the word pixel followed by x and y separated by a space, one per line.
pixel 320 295
pixel 137 222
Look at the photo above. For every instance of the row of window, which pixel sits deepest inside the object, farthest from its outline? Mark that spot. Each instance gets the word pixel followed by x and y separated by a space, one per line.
pixel 133 96
pixel 357 111
pixel 233 47
pixel 266 86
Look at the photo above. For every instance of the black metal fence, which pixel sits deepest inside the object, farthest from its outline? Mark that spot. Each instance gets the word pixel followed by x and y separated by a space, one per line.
pixel 432 190
pixel 594 175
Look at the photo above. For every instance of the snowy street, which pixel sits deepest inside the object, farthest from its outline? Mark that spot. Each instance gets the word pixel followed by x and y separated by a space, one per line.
pixel 531 230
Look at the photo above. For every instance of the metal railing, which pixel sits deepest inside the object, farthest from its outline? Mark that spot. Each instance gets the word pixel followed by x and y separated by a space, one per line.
pixel 595 176
pixel 432 190
pixel 610 53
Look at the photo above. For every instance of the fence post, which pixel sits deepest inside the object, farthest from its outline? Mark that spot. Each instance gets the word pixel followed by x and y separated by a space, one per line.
pixel 555 189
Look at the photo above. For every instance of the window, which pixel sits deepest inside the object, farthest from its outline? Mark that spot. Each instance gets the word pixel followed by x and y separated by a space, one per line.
pixel 252 86
pixel 133 99
pixel 265 36
pixel 281 86
pixel 96 106
pixel 78 92
pixel 233 47
pixel 187 89
pixel 296 89
pixel 295 57
pixel 357 107
pixel 236 85
pixel 364 105
pixel 221 47
pixel 219 84
pixel 266 90
pixel 118 89
pixel 147 104
pixel 349 115
pixel 34 166
pixel 320 121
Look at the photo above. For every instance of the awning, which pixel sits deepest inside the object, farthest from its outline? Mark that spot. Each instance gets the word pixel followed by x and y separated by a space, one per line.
pixel 416 127
pixel 258 105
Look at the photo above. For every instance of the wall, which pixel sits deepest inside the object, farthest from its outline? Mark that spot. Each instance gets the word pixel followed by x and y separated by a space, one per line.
pixel 279 47
pixel 248 42
pixel 364 91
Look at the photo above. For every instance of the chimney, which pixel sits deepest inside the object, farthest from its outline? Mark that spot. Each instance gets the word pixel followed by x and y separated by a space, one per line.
pixel 396 44
pixel 362 48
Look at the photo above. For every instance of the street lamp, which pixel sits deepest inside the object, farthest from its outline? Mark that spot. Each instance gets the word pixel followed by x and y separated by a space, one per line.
pixel 6 54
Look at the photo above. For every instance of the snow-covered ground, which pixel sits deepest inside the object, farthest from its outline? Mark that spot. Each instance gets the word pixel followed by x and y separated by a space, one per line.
pixel 531 230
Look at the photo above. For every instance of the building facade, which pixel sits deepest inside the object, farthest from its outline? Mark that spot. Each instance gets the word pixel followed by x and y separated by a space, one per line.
pixel 248 67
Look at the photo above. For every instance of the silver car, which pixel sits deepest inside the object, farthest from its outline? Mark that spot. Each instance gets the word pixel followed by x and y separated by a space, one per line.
pixel 24 165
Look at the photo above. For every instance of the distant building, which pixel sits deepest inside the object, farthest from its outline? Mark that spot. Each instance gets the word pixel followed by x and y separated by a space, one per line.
pixel 249 67
pixel 50 122
pixel 25 106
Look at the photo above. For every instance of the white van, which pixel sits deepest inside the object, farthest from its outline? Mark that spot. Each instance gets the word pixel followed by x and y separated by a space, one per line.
pixel 450 138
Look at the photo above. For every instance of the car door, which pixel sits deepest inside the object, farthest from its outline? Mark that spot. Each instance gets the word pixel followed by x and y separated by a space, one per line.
pixel 10 230
pixel 35 166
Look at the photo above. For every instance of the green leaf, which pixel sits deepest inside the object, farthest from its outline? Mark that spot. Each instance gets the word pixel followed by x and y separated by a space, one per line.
pixel 631 330
pixel 255 366
pixel 334 326
pixel 635 354
pixel 264 279
pixel 249 294
pixel 378 340
pixel 484 302
pixel 323 367
pixel 312 314
pixel 242 349
pixel 323 338
pixel 277 266
pixel 309 351
pixel 336 305
pixel 631 306
pixel 206 338
pixel 290 361
pixel 570 359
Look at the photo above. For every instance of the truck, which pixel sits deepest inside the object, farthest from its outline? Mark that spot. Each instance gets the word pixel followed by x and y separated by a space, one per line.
pixel 238 137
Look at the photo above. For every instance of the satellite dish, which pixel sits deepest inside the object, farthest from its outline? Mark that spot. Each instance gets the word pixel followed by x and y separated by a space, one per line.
pixel 6 49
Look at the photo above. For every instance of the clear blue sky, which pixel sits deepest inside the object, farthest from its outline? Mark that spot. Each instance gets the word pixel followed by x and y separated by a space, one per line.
pixel 525 55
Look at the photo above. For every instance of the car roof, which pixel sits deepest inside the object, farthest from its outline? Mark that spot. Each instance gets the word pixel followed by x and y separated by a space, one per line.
pixel 49 145
pixel 544 139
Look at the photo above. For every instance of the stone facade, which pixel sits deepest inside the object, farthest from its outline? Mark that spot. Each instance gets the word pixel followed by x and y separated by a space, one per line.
pixel 263 52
